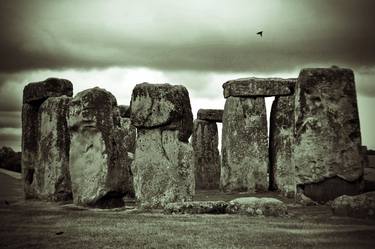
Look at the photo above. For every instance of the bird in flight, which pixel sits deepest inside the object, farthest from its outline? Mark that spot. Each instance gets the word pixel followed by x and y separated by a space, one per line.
pixel 260 33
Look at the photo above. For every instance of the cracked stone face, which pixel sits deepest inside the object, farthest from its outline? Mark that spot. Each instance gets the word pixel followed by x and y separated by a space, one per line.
pixel 99 163
pixel 327 131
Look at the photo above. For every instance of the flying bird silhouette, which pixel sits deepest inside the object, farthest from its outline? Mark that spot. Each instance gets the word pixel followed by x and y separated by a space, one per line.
pixel 59 233
pixel 260 33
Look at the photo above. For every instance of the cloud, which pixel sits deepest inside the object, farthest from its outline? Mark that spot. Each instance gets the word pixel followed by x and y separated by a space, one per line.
pixel 195 35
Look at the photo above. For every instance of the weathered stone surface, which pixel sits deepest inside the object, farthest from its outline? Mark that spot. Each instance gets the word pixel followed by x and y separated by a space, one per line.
pixel 257 206
pixel 52 174
pixel 371 161
pixel 330 188
pixel 327 131
pixel 369 179
pixel 124 111
pixel 255 87
pixel 45 139
pixel 163 168
pixel 51 87
pixel 360 206
pixel 214 115
pixel 281 142
pixel 196 207
pixel 30 143
pixel 162 106
pixel 206 155
pixel 99 166
pixel 244 145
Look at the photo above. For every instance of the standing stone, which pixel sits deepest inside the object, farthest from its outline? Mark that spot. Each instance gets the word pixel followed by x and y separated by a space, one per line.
pixel 281 142
pixel 327 151
pixel 99 166
pixel 162 106
pixel 244 145
pixel 53 170
pixel 45 139
pixel 162 168
pixel 163 164
pixel 206 155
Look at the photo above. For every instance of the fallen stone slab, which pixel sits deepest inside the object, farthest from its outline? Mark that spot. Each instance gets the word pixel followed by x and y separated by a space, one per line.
pixel 214 115
pixel 196 207
pixel 162 106
pixel 254 206
pixel 51 87
pixel 206 155
pixel 327 143
pixel 99 163
pixel 360 206
pixel 258 87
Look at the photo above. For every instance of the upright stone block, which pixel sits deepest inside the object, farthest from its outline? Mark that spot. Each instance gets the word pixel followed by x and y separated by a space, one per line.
pixel 45 139
pixel 162 106
pixel 163 165
pixel 244 145
pixel 206 155
pixel 257 87
pixel 163 168
pixel 327 136
pixel 213 115
pixel 54 144
pixel 281 141
pixel 99 166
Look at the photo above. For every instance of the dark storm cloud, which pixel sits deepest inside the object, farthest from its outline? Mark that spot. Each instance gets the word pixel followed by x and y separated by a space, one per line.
pixel 199 35
pixel 10 119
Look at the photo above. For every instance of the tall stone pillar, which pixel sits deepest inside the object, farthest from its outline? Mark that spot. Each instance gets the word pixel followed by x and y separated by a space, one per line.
pixel 163 166
pixel 327 151
pixel 281 141
pixel 45 139
pixel 99 159
pixel 205 146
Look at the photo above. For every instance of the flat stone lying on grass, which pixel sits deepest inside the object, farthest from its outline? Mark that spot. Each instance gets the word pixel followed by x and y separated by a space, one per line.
pixel 196 207
pixel 252 206
pixel 257 206
pixel 360 206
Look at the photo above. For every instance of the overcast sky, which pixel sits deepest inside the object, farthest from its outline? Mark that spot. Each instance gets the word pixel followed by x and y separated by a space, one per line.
pixel 200 44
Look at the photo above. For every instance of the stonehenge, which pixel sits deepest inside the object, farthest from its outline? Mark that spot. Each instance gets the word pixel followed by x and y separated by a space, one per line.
pixel 91 150
pixel 206 152
pixel 163 165
pixel 327 143
pixel 99 162
pixel 45 140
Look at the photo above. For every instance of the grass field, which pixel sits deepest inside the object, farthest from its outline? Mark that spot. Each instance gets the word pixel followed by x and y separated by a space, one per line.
pixel 35 224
